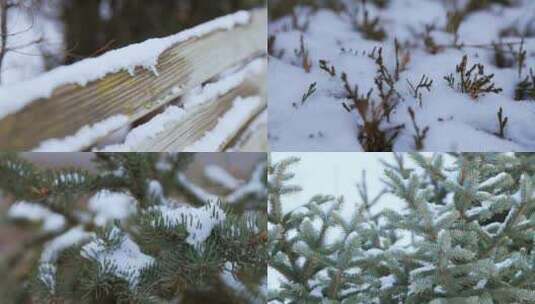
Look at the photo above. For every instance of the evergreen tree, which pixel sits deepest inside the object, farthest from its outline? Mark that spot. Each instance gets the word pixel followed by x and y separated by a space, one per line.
pixel 123 234
pixel 466 235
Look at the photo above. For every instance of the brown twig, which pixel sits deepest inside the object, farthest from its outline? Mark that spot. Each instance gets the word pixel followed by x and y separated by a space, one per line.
pixel 304 55
pixel 420 135
pixel 502 122
pixel 472 81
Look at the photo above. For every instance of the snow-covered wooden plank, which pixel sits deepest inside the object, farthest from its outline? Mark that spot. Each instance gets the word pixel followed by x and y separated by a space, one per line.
pixel 208 125
pixel 228 126
pixel 253 137
pixel 243 110
pixel 131 92
pixel 205 119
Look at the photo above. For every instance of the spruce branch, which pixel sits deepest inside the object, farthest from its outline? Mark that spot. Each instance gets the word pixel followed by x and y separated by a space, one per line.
pixel 452 242
pixel 472 81
pixel 163 251
pixel 525 90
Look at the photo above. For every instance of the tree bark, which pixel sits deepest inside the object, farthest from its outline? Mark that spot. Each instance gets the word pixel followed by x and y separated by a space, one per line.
pixel 3 33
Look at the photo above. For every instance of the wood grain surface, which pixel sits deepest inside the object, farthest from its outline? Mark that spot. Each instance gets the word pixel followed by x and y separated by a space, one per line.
pixel 185 66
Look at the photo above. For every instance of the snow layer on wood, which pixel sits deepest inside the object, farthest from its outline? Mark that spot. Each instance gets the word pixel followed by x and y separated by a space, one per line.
pixel 198 221
pixel 109 206
pixel 145 54
pixel 242 109
pixel 85 137
pixel 64 241
pixel 174 114
pixel 147 131
pixel 456 122
pixel 127 257
pixel 223 86
pixel 34 212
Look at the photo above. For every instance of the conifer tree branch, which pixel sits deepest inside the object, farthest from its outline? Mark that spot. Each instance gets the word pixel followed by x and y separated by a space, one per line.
pixel 160 251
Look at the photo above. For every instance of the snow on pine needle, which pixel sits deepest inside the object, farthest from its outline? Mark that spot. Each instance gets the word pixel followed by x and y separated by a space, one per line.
pixel 124 255
pixel 140 222
pixel 199 222
pixel 460 231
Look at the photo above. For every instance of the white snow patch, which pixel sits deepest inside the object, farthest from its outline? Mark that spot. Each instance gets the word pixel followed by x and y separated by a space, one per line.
pixel 196 190
pixel 220 176
pixel 254 185
pixel 387 281
pixel 494 180
pixel 221 87
pixel 373 252
pixel 149 130
pixel 128 258
pixel 109 206
pixel 34 212
pixel 235 284
pixel 422 269
pixel 156 190
pixel 62 242
pixel 231 121
pixel 85 137
pixel 198 221
pixel 27 24
pixel 504 264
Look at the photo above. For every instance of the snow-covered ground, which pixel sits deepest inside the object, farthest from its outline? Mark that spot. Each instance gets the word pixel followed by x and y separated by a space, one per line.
pixel 456 121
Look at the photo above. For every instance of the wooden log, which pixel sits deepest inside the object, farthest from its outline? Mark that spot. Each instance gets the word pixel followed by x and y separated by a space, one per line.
pixel 183 66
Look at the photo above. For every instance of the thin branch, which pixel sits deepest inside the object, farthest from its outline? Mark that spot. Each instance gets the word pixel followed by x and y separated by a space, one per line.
pixel 3 33
pixel 24 45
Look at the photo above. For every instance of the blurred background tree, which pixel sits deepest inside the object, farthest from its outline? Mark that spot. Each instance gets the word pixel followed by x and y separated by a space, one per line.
pixel 95 26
